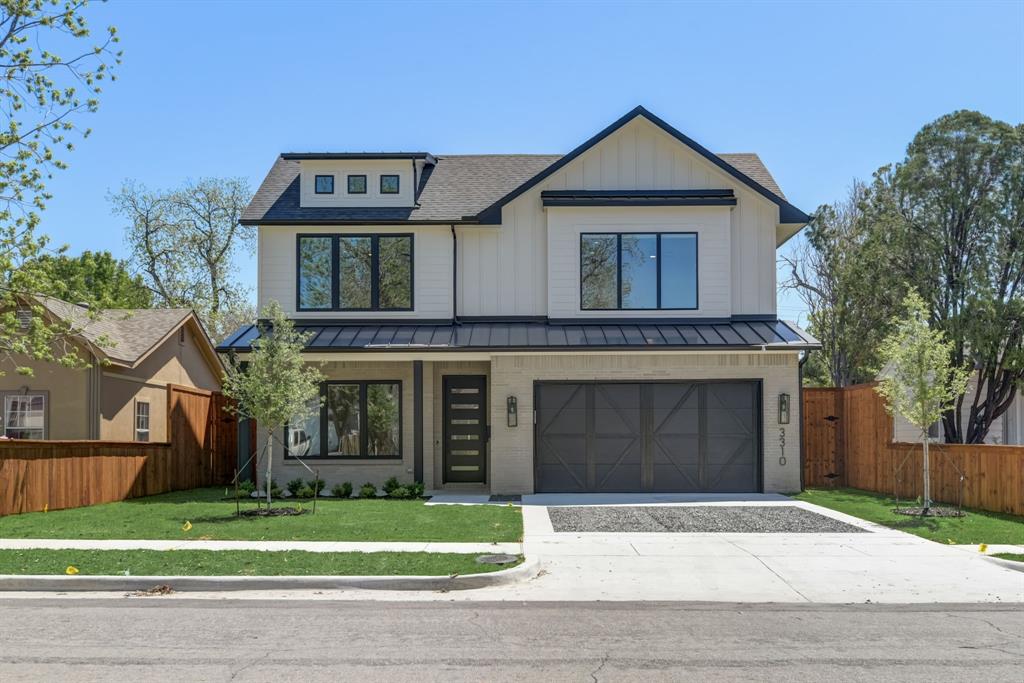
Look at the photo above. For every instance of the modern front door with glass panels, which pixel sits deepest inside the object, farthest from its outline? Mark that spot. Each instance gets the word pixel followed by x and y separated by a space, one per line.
pixel 465 428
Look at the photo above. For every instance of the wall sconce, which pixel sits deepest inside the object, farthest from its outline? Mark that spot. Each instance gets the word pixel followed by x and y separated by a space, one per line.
pixel 783 409
pixel 512 410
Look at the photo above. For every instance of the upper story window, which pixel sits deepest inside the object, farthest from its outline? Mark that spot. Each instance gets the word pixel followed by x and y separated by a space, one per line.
pixel 142 420
pixel 25 416
pixel 357 184
pixel 354 273
pixel 638 271
pixel 389 184
pixel 323 184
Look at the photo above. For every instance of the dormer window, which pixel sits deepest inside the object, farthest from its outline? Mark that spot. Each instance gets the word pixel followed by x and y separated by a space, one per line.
pixel 324 184
pixel 357 184
pixel 389 184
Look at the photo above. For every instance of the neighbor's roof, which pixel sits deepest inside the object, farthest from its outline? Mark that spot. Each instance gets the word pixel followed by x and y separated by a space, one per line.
pixel 125 336
pixel 469 188
pixel 543 336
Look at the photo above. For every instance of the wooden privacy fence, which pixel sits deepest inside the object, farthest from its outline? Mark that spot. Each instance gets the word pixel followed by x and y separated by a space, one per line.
pixel 848 442
pixel 201 451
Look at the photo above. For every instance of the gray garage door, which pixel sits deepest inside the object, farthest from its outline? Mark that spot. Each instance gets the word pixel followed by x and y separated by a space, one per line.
pixel 690 437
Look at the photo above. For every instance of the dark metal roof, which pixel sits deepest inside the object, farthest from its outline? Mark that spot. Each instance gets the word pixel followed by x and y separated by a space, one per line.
pixel 534 336
pixel 638 198
pixel 354 155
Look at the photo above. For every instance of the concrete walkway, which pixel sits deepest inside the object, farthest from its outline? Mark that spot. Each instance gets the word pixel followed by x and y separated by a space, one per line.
pixel 308 546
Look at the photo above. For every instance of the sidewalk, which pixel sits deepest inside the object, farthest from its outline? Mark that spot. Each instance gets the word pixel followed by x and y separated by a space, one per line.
pixel 308 546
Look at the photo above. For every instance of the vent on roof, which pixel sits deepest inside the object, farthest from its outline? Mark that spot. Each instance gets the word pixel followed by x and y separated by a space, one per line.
pixel 24 317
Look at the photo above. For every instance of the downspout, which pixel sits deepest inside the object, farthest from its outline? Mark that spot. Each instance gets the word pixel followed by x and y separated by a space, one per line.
pixel 455 277
pixel 800 379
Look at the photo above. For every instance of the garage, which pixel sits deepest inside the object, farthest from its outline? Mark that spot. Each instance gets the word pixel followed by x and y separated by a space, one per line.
pixel 624 437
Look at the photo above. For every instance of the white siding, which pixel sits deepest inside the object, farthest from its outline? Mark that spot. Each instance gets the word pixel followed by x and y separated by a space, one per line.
pixel 432 271
pixel 342 168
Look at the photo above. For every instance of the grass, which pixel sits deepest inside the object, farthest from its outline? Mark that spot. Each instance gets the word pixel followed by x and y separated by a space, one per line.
pixel 977 527
pixel 238 563
pixel 1015 557
pixel 209 516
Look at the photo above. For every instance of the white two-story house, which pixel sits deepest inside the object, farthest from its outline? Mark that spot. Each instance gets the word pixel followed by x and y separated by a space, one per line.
pixel 599 321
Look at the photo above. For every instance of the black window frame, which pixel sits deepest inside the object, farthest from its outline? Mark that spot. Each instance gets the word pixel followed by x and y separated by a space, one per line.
pixel 398 183
pixel 316 180
pixel 618 269
pixel 374 271
pixel 364 433
pixel 348 183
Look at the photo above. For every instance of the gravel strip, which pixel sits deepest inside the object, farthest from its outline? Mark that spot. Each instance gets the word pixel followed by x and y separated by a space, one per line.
pixel 775 519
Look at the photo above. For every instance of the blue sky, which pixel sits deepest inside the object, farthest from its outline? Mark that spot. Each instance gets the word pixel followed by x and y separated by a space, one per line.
pixel 825 93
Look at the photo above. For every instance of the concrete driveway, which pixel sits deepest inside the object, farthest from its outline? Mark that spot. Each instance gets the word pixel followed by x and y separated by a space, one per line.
pixel 849 560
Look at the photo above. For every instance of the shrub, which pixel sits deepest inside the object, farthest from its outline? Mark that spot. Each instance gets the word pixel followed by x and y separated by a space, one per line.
pixel 416 488
pixel 304 492
pixel 317 485
pixel 400 493
pixel 342 490
pixel 390 485
pixel 245 488
pixel 368 490
pixel 275 489
pixel 295 485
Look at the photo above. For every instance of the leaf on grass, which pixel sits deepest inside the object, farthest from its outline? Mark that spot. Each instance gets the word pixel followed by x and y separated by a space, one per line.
pixel 187 526
pixel 71 570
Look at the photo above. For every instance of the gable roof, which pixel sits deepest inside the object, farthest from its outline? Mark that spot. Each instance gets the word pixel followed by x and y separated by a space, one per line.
pixel 125 336
pixel 471 189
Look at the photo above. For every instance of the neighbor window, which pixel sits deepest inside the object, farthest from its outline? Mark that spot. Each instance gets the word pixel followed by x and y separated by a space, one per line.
pixel 25 416
pixel 389 184
pixel 142 420
pixel 355 272
pixel 324 184
pixel 638 271
pixel 355 420
pixel 357 184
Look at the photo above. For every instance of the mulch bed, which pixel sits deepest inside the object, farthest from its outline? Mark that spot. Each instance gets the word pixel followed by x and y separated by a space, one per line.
pixel 931 512
pixel 272 512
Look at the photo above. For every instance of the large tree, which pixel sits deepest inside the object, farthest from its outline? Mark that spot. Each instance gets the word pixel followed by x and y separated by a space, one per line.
pixel 52 72
pixel 94 277
pixel 849 298
pixel 184 241
pixel 952 218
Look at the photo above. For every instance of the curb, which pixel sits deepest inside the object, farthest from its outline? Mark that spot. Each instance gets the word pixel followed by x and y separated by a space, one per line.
pixel 1009 564
pixel 58 583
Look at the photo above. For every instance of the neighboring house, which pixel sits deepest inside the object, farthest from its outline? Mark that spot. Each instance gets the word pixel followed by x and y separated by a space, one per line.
pixel 599 321
pixel 1008 429
pixel 133 354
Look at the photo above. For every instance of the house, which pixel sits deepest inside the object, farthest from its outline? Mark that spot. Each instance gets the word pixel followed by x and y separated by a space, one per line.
pixel 599 321
pixel 1008 429
pixel 133 356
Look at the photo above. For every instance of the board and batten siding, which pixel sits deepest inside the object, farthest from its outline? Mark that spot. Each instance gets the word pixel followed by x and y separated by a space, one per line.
pixel 505 270
pixel 432 271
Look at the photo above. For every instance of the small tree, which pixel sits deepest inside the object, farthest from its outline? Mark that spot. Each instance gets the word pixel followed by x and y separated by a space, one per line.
pixel 921 381
pixel 274 385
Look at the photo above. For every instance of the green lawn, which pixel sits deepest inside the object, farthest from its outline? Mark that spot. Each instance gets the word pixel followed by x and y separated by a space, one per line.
pixel 238 563
pixel 211 517
pixel 1010 556
pixel 977 527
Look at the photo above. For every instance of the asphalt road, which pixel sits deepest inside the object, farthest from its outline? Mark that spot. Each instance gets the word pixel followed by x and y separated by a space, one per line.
pixel 172 639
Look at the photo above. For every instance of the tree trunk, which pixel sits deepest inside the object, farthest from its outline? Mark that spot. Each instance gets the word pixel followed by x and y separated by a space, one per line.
pixel 270 464
pixel 927 498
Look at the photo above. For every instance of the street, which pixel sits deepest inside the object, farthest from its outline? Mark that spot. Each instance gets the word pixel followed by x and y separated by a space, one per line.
pixel 177 639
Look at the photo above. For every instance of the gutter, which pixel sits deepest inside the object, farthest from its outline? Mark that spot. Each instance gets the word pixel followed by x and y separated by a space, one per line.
pixel 455 277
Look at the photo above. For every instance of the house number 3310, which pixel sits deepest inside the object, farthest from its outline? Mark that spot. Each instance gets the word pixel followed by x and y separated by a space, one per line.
pixel 782 445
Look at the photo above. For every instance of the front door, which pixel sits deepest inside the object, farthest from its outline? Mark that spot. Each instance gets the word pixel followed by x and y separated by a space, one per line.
pixel 465 428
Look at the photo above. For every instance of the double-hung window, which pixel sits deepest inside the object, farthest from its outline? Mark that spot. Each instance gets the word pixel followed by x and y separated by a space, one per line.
pixel 355 273
pixel 353 419
pixel 142 420
pixel 638 271
pixel 25 416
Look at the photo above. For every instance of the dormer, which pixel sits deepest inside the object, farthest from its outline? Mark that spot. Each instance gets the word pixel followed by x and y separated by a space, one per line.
pixel 360 179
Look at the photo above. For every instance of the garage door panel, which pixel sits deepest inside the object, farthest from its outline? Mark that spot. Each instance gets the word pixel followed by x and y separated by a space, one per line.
pixel 617 463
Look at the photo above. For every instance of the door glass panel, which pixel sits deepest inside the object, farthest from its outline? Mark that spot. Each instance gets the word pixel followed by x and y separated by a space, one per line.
pixel 465 437
pixel 598 272
pixel 355 262
pixel 465 391
pixel 315 272
pixel 343 419
pixel 465 422
pixel 382 419
pixel 639 271
pixel 395 272
pixel 465 406
pixel 678 271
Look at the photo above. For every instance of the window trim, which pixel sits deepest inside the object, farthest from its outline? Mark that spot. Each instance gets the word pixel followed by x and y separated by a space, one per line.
pixel 348 183
pixel 4 395
pixel 398 183
pixel 149 420
pixel 316 179
pixel 374 272
pixel 618 269
pixel 364 434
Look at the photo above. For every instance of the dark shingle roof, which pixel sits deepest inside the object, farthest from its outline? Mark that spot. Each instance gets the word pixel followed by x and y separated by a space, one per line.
pixel 535 335
pixel 457 187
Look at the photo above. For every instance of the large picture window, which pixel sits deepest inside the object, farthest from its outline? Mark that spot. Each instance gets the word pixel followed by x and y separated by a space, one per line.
pixel 355 420
pixel 25 416
pixel 355 273
pixel 638 271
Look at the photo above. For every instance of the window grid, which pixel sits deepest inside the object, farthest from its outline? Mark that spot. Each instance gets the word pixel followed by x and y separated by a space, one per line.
pixel 336 303
pixel 25 416
pixel 323 184
pixel 364 418
pixel 618 271
pixel 358 182
pixel 142 420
